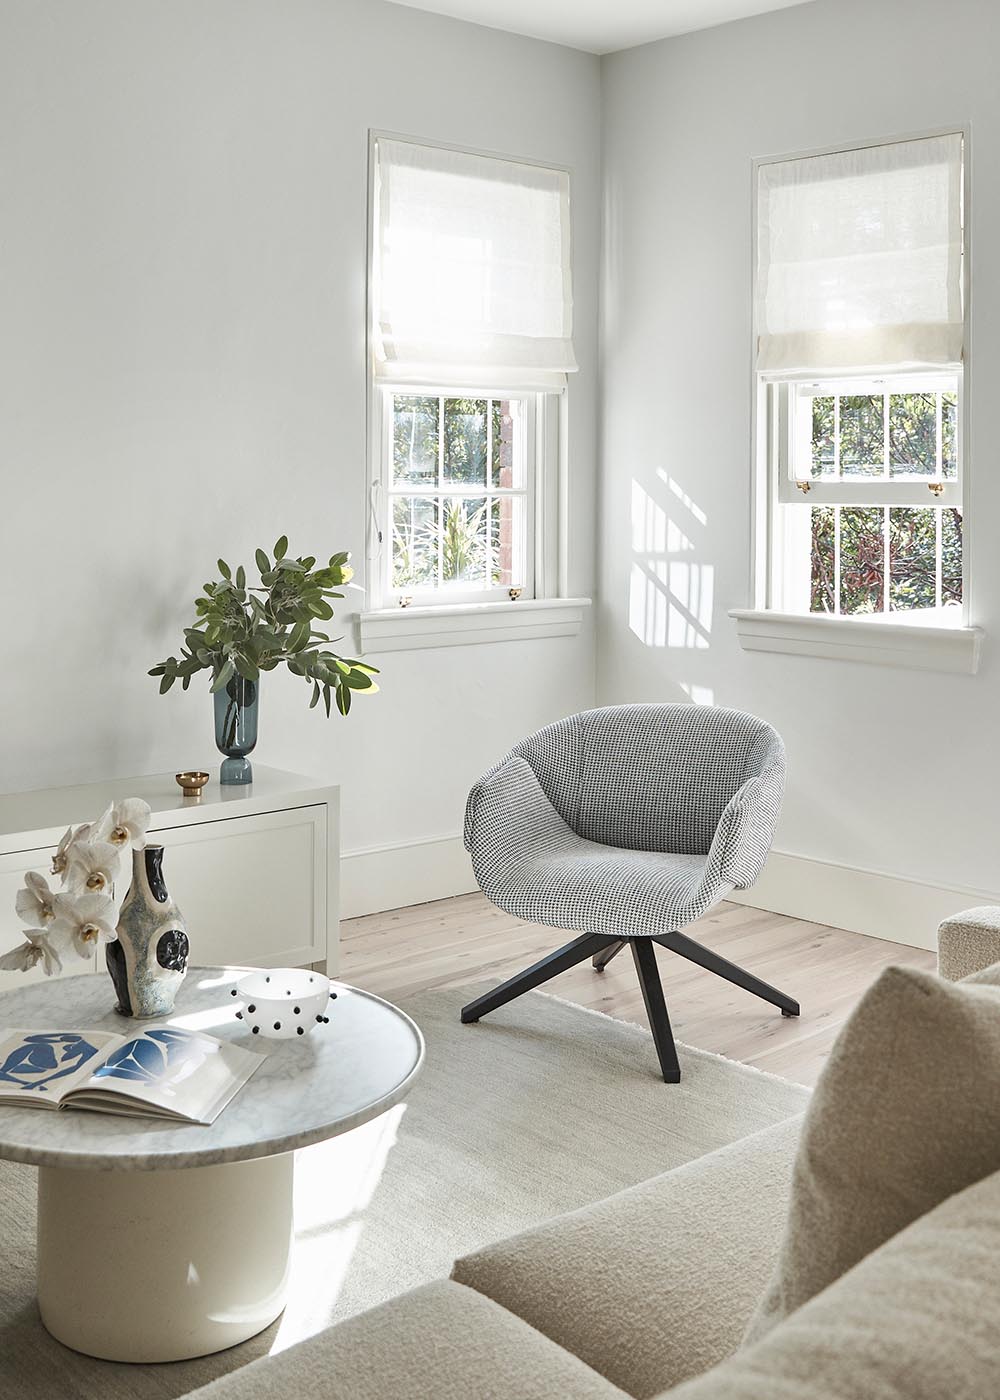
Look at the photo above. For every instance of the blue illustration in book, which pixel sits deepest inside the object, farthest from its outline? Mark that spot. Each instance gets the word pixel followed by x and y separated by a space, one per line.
pixel 44 1057
pixel 155 1056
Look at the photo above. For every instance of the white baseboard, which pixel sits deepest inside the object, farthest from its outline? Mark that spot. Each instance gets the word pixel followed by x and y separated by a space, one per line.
pixel 864 901
pixel 408 872
pixel 376 878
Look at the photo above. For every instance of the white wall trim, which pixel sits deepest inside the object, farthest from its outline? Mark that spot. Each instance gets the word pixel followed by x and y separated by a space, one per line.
pixel 464 624
pixel 872 902
pixel 374 878
pixel 917 646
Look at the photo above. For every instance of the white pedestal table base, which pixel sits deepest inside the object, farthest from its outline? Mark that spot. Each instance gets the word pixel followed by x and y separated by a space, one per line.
pixel 149 1266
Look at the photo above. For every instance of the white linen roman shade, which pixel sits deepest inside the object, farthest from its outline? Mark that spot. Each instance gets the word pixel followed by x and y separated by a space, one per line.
pixel 859 259
pixel 471 264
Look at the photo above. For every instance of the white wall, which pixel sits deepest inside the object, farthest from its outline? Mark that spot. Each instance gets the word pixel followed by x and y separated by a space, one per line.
pixel 182 261
pixel 891 770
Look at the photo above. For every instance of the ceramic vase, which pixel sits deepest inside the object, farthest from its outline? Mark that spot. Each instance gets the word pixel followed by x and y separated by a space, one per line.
pixel 149 959
pixel 236 728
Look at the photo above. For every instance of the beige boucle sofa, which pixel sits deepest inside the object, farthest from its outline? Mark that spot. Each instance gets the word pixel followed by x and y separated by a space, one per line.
pixel 648 1293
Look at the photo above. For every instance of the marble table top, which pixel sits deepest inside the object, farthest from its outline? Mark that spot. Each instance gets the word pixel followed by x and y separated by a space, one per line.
pixel 338 1076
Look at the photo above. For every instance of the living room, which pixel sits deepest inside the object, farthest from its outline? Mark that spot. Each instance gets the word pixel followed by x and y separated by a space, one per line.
pixel 498 492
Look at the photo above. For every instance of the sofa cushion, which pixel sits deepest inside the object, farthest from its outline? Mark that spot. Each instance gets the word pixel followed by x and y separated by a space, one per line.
pixel 441 1341
pixel 656 1283
pixel 916 1320
pixel 906 1112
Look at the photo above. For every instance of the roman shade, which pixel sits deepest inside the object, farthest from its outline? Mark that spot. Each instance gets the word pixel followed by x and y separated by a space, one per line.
pixel 859 259
pixel 471 269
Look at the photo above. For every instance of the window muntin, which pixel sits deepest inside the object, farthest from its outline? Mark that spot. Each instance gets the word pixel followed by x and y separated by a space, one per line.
pixel 867 516
pixel 458 475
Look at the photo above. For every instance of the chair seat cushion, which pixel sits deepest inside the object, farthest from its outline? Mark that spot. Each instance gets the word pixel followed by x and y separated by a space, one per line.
pixel 442 1341
pixel 656 1283
pixel 915 1320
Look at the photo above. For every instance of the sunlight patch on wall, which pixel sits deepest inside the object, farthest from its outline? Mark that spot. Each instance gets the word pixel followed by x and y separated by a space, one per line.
pixel 670 598
pixel 700 694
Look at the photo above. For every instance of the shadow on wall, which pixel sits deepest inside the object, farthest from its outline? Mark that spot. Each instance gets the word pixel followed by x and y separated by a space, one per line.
pixel 670 594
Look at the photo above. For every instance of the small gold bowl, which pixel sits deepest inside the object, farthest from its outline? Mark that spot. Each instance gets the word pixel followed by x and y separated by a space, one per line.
pixel 191 784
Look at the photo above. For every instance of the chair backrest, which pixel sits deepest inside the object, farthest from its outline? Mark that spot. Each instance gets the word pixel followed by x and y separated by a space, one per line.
pixel 649 777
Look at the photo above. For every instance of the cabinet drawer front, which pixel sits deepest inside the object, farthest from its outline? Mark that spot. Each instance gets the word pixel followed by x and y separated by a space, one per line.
pixel 13 869
pixel 252 890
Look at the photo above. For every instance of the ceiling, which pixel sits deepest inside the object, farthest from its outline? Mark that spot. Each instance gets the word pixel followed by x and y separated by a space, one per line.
pixel 599 26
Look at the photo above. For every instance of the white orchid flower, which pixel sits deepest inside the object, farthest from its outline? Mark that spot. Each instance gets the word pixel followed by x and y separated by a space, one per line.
pixel 92 867
pixel 37 949
pixel 124 824
pixel 86 920
pixel 35 903
pixel 72 836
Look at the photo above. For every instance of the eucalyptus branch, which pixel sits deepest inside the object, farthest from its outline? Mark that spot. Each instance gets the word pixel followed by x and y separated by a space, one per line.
pixel 242 629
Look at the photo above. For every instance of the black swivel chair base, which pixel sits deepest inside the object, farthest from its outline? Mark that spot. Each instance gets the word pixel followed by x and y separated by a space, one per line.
pixel 602 948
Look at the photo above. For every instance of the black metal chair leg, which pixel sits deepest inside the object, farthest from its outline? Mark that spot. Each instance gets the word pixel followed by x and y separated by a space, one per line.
pixel 601 959
pixel 656 1008
pixel 566 957
pixel 704 957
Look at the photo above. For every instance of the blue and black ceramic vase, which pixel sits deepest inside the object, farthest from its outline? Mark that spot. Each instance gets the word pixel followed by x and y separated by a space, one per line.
pixel 236 728
pixel 149 959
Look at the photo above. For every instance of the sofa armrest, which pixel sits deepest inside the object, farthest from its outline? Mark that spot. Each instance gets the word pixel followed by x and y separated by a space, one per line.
pixel 746 829
pixel 969 943
pixel 657 1283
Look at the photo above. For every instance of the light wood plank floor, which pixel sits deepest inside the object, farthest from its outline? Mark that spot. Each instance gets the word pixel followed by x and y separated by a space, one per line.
pixel 465 939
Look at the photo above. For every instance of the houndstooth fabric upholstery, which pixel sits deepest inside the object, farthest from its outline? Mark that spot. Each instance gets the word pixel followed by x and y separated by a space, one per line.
pixel 631 820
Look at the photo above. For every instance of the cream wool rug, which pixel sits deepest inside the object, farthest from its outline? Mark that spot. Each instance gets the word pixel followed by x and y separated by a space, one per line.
pixel 539 1109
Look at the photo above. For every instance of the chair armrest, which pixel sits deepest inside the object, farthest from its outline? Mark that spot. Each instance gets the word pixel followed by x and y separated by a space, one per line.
pixel 508 818
pixel 746 828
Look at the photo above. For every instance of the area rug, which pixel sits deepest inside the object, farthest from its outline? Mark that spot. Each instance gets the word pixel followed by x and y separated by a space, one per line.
pixel 539 1109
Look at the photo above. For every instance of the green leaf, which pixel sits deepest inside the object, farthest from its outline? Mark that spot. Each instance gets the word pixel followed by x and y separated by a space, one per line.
pixel 263 563
pixel 281 548
pixel 298 636
pixel 225 674
pixel 321 609
pixel 157 670
pixel 358 681
pixel 224 569
pixel 166 683
pixel 248 669
pixel 241 577
pixel 315 696
pixel 343 699
pixel 326 699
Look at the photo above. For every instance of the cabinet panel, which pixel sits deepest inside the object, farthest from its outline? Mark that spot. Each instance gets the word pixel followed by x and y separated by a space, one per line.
pixel 252 890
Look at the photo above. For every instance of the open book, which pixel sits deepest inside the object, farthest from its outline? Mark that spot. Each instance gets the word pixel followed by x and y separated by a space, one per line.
pixel 163 1072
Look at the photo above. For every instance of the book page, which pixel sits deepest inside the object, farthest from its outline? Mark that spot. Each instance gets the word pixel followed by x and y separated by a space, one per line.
pixel 169 1072
pixel 40 1067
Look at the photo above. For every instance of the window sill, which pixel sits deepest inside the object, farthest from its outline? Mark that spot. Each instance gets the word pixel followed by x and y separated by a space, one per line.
pixel 912 644
pixel 465 624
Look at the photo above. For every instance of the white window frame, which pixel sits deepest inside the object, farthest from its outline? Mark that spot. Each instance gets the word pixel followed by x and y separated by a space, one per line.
pixel 445 617
pixel 901 638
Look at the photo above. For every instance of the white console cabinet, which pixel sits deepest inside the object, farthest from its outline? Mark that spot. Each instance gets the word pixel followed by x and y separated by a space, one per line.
pixel 254 870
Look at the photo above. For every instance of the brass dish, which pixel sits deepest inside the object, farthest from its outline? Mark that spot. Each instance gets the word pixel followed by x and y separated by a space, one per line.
pixel 191 784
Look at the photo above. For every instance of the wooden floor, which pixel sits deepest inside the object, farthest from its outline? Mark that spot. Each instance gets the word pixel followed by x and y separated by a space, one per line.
pixel 456 941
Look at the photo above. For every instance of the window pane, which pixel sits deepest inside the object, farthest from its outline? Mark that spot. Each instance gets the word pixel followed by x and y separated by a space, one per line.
pixel 862 559
pixel 824 459
pixel 861 435
pixel 949 431
pixel 465 442
pixel 414 439
pixel 464 552
pixel 414 542
pixel 506 535
pixel 912 558
pixel 913 434
pixel 508 463
pixel 823 590
pixel 951 555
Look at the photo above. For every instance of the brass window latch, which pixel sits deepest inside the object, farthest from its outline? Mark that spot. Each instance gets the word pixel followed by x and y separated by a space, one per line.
pixel 804 486
pixel 936 486
pixel 513 594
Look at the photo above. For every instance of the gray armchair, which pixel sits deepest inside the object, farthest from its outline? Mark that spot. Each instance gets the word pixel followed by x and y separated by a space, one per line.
pixel 629 822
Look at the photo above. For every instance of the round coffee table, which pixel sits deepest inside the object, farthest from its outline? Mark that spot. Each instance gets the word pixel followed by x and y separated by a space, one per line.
pixel 158 1242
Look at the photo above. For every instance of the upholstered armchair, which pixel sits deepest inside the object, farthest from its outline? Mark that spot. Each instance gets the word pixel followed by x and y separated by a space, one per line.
pixel 628 822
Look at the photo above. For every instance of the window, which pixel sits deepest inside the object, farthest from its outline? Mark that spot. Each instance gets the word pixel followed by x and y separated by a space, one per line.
pixel 471 338
pixel 860 322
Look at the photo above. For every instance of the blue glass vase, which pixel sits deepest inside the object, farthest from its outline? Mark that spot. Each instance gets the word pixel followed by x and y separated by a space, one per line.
pixel 236 728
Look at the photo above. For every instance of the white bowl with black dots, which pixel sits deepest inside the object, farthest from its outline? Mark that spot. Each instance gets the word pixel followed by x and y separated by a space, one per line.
pixel 282 1003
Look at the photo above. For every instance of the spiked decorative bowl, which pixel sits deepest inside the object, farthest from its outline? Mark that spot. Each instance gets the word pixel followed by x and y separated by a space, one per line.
pixel 283 1002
